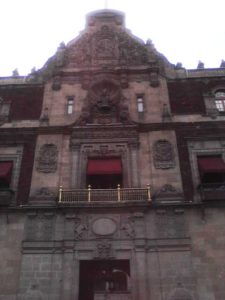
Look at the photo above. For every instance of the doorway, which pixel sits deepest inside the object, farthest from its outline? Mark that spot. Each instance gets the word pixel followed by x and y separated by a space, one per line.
pixel 99 276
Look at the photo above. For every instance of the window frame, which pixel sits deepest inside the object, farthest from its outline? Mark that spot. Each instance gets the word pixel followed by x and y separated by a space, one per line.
pixel 140 102
pixel 210 102
pixel 220 98
pixel 198 148
pixel 70 105
pixel 16 157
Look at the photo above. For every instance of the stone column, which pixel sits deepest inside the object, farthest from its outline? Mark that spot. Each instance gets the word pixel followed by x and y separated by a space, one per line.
pixel 140 257
pixel 141 274
pixel 75 170
pixel 76 276
pixel 134 164
pixel 68 273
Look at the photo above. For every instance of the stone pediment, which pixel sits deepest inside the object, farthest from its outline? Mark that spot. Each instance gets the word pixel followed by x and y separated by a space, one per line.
pixel 104 43
pixel 106 46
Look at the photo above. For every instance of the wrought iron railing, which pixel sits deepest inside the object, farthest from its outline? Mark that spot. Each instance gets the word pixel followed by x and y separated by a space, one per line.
pixel 73 196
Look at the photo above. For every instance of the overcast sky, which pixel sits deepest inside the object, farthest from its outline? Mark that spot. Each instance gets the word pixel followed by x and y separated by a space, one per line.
pixel 184 31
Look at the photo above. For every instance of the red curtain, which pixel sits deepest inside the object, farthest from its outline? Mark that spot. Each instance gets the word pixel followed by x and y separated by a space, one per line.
pixel 211 165
pixel 6 171
pixel 104 166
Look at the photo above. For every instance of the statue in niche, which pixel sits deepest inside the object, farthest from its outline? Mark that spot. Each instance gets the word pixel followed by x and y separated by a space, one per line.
pixel 163 155
pixel 104 101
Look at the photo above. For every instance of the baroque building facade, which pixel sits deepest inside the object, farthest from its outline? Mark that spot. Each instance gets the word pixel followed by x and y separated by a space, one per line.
pixel 112 174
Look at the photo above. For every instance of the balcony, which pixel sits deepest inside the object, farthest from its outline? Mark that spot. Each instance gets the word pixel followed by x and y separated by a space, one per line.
pixel 212 191
pixel 119 195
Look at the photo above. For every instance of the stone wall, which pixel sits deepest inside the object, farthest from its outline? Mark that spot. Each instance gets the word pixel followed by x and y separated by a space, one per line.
pixel 172 251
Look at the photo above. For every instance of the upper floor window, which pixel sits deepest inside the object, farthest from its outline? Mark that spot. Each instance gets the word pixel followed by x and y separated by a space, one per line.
pixel 220 101
pixel 70 102
pixel 140 104
pixel 140 107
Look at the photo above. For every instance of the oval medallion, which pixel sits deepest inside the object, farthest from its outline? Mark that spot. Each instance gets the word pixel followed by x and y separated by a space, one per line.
pixel 104 226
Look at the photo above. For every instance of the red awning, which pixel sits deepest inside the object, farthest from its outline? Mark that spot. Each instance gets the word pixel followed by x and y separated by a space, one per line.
pixel 211 165
pixel 104 166
pixel 6 170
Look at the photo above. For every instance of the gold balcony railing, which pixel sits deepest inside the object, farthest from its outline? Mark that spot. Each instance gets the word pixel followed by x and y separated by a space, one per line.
pixel 73 196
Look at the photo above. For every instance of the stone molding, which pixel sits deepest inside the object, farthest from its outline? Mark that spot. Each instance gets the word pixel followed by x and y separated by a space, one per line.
pixel 104 248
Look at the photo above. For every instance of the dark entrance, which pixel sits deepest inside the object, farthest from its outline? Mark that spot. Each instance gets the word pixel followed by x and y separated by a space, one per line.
pixel 104 173
pixel 100 276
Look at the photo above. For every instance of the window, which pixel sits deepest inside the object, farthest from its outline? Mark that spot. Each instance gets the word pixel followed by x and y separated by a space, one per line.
pixel 140 107
pixel 70 101
pixel 211 169
pixel 5 174
pixel 212 177
pixel 207 158
pixel 140 104
pixel 104 173
pixel 220 101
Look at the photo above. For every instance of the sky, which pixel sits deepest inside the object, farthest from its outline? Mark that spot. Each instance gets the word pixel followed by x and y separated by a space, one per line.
pixel 184 31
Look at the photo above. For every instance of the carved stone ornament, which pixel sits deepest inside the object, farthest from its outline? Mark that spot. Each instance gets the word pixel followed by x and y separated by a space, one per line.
pixel 104 104
pixel 104 251
pixel 154 79
pixel 104 226
pixel 128 228
pixel 163 155
pixel 97 150
pixel 109 47
pixel 168 188
pixel 47 159
pixel 80 229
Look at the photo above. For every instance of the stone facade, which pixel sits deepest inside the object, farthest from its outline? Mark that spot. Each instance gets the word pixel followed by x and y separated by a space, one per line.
pixel 61 238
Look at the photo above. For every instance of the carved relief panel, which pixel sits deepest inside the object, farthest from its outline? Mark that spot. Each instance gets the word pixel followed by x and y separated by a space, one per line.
pixel 47 158
pixel 107 46
pixel 104 104
pixel 163 155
